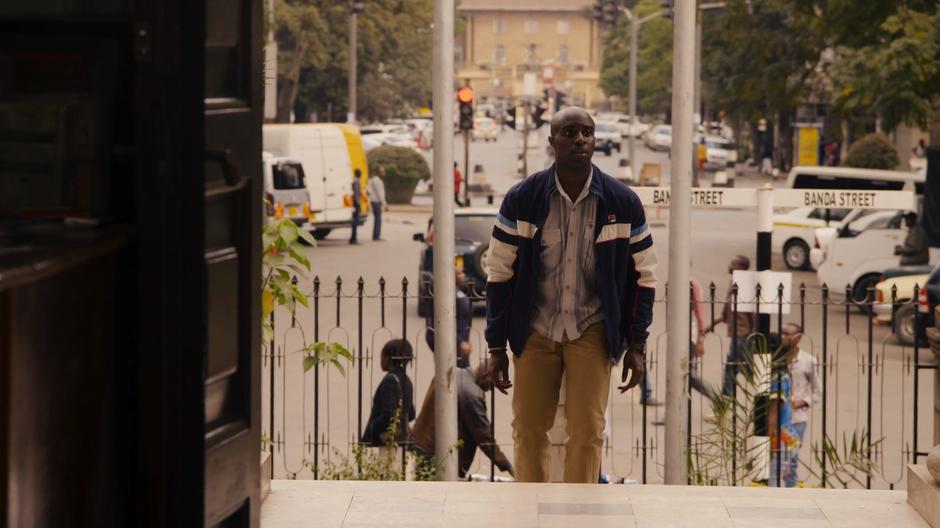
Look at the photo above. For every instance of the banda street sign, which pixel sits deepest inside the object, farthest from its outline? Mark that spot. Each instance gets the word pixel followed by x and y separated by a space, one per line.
pixel 843 199
pixel 712 198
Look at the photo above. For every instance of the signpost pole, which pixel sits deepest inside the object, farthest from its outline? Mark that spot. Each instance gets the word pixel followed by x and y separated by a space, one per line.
pixel 445 341
pixel 677 311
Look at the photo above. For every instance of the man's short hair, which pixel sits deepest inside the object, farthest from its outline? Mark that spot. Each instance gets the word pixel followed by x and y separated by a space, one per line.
pixel 795 326
pixel 743 261
pixel 357 172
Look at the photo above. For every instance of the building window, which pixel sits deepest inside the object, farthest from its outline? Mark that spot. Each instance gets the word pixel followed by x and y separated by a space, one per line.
pixel 458 54
pixel 564 27
pixel 531 27
pixel 499 26
pixel 563 54
pixel 530 56
pixel 499 54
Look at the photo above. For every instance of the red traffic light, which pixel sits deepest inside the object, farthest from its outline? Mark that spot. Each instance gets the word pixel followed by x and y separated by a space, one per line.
pixel 465 94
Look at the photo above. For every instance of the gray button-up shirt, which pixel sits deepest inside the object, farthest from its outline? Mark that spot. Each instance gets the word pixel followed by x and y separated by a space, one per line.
pixel 567 302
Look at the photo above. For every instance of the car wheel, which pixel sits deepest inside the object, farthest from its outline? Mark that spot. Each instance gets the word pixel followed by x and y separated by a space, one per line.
pixel 321 232
pixel 479 260
pixel 860 293
pixel 905 324
pixel 796 254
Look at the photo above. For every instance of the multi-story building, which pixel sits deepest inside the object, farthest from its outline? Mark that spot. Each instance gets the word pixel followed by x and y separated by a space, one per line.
pixel 512 49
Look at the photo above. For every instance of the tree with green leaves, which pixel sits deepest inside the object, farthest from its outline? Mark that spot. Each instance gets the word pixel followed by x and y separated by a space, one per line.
pixel 897 76
pixel 394 58
pixel 654 61
pixel 298 31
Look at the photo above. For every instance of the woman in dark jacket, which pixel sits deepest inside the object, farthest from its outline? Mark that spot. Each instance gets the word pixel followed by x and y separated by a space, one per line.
pixel 392 394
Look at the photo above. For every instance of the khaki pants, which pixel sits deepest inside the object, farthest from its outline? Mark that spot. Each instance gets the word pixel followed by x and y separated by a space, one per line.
pixel 586 367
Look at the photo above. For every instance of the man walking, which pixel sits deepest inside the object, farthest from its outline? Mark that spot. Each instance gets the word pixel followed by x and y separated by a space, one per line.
pixel 473 425
pixel 356 199
pixel 740 325
pixel 376 191
pixel 570 288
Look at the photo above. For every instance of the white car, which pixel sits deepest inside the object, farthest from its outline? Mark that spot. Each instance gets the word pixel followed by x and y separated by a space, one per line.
pixel 628 129
pixel 721 153
pixel 659 137
pixel 861 252
pixel 794 232
pixel 397 135
pixel 484 128
pixel 606 137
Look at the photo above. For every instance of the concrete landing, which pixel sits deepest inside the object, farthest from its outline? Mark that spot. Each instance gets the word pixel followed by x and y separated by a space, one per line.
pixel 461 504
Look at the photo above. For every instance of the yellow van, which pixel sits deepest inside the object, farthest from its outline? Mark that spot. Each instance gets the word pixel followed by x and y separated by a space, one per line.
pixel 357 156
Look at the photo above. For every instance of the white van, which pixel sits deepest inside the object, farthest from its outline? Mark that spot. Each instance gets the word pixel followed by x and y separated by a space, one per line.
pixel 794 231
pixel 327 170
pixel 285 193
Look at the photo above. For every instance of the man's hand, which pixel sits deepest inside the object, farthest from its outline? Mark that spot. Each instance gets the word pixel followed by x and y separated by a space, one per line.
pixel 633 360
pixel 499 369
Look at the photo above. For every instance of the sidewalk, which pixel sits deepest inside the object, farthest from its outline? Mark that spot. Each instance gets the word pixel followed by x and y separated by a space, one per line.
pixel 337 504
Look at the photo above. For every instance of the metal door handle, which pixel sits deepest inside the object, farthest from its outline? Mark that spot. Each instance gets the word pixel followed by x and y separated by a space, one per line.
pixel 233 177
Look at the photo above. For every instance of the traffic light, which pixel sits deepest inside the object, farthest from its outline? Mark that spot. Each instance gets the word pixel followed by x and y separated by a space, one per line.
pixel 668 7
pixel 509 119
pixel 610 12
pixel 537 119
pixel 465 98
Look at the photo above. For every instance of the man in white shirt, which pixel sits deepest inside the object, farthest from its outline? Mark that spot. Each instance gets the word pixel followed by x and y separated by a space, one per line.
pixel 376 192
pixel 806 388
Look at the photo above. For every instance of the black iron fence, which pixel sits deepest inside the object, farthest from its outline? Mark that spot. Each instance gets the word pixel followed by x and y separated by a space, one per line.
pixel 872 386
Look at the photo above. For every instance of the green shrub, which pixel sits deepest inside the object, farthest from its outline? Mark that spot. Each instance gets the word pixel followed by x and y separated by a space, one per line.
pixel 873 151
pixel 404 168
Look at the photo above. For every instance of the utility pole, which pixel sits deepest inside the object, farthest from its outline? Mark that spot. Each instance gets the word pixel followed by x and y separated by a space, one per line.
pixel 445 334
pixel 677 312
pixel 631 140
pixel 635 24
pixel 355 7
pixel 466 161
pixel 525 140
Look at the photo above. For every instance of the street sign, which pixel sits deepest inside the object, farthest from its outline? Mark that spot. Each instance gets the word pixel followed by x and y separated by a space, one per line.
pixel 704 197
pixel 528 84
pixel 772 300
pixel 843 199
pixel 715 198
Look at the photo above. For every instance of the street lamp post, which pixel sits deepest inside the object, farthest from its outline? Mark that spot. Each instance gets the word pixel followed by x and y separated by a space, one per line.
pixel 635 24
pixel 355 7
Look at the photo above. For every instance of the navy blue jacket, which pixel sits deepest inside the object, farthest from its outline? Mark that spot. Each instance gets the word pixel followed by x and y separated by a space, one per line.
pixel 623 253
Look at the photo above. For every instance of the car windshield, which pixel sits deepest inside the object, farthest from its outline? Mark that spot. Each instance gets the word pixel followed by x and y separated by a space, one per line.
pixel 662 130
pixel 718 144
pixel 604 127
pixel 476 228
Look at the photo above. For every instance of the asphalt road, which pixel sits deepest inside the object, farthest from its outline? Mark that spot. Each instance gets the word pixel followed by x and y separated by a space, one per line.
pixel 717 236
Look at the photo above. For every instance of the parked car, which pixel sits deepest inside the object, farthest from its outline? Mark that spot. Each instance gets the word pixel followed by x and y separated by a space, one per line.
pixel 472 228
pixel 720 153
pixel 861 252
pixel 484 128
pixel 659 137
pixel 606 137
pixel 398 135
pixel 927 303
pixel 893 304
pixel 794 233
pixel 324 154
pixel 628 129
pixel 285 193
